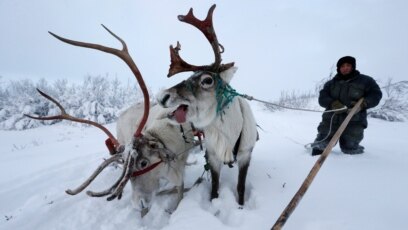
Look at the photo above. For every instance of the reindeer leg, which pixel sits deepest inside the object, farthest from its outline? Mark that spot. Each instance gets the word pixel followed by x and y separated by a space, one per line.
pixel 243 170
pixel 180 194
pixel 215 167
pixel 215 181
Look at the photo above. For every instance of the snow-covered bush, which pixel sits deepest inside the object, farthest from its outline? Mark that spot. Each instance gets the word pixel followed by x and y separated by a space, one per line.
pixel 394 104
pixel 98 99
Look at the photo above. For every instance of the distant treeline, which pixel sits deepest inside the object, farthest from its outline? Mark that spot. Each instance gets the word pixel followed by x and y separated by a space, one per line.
pixel 102 99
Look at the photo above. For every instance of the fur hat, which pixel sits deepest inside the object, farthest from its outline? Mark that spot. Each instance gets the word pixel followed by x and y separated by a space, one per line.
pixel 347 59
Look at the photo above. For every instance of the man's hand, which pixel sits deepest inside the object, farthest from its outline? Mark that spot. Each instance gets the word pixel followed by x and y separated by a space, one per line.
pixel 338 105
pixel 363 106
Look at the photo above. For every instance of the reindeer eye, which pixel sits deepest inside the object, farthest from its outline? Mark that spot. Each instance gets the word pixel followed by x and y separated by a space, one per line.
pixel 155 145
pixel 207 81
pixel 143 163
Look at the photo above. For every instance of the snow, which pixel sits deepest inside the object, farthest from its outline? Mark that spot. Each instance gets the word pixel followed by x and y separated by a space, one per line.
pixel 350 192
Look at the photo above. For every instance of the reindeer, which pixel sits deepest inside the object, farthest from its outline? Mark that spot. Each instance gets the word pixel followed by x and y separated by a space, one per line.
pixel 153 155
pixel 206 100
pixel 165 141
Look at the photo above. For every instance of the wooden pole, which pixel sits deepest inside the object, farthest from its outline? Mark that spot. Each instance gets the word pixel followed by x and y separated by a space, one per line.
pixel 302 190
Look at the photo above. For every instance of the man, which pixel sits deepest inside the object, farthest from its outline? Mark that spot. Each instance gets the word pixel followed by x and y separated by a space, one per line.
pixel 344 90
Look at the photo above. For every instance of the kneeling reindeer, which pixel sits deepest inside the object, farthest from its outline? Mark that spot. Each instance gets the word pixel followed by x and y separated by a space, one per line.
pixel 162 142
pixel 152 151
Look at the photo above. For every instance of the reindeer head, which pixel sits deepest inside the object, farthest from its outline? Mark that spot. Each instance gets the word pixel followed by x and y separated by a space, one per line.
pixel 200 98
pixel 161 142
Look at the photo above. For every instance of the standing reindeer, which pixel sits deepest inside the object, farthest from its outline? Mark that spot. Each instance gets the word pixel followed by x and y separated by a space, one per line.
pixel 153 155
pixel 206 100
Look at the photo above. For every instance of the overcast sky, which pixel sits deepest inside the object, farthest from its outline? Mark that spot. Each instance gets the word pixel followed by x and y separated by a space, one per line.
pixel 277 45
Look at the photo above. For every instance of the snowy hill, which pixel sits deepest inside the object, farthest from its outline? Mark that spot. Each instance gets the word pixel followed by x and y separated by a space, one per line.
pixel 365 191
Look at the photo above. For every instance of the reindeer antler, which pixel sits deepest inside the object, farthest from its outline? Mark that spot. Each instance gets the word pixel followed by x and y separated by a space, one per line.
pixel 100 168
pixel 178 65
pixel 116 189
pixel 125 56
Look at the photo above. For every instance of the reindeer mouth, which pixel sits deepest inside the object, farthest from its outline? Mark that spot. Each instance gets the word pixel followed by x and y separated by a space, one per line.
pixel 179 114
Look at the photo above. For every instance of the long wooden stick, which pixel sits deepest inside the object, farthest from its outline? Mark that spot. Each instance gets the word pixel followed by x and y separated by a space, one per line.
pixel 302 190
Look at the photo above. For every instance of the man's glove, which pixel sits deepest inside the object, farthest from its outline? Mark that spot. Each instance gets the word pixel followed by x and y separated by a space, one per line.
pixel 337 105
pixel 363 106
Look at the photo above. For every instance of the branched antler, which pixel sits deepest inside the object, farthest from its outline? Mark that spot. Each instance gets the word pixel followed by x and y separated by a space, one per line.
pixel 127 172
pixel 100 168
pixel 178 65
pixel 116 189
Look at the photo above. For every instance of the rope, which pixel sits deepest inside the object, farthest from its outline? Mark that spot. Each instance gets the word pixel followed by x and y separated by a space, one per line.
pixel 325 138
pixel 300 109
pixel 196 183
pixel 199 179
pixel 224 94
pixel 250 98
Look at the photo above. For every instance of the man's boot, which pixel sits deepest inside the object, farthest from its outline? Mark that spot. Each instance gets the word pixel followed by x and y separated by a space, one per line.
pixel 358 150
pixel 316 151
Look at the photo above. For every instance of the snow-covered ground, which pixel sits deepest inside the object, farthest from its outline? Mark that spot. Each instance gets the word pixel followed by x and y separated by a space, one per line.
pixel 358 192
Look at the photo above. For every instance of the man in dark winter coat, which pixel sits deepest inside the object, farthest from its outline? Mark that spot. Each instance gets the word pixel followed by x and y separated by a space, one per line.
pixel 344 90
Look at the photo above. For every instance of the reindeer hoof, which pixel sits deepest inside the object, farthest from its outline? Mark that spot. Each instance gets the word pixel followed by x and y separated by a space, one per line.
pixel 241 202
pixel 214 195
pixel 143 212
pixel 229 163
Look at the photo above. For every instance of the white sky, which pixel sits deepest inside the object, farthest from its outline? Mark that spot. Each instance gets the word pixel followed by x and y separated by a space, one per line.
pixel 277 45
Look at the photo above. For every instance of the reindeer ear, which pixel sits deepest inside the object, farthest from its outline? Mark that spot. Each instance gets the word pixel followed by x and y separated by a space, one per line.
pixel 227 75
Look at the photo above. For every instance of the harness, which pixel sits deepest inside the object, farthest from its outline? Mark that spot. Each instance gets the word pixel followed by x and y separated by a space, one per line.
pixel 224 93
pixel 145 170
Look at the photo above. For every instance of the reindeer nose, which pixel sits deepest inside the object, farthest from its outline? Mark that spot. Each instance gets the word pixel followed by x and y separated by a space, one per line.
pixel 164 99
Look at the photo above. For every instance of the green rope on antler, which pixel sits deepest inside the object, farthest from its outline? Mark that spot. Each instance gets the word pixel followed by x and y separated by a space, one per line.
pixel 224 94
